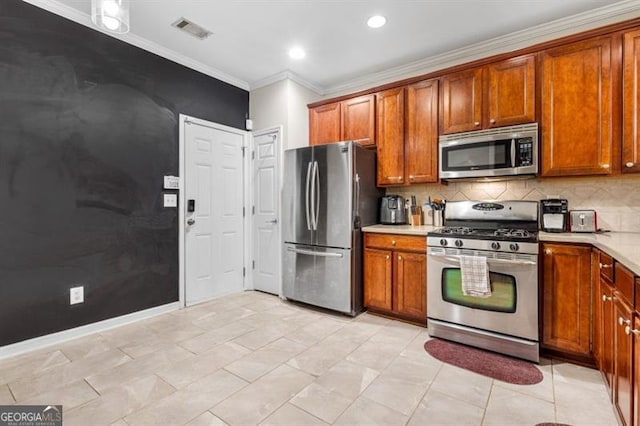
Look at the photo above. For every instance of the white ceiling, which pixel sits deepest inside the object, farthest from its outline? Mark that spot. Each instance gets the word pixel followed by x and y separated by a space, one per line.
pixel 251 37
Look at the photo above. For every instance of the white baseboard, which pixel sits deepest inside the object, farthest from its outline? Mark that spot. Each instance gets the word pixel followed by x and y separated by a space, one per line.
pixel 73 333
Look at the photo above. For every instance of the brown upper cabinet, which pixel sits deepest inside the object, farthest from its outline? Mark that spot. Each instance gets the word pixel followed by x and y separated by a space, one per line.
pixel 498 94
pixel 352 119
pixel 407 134
pixel 631 99
pixel 578 98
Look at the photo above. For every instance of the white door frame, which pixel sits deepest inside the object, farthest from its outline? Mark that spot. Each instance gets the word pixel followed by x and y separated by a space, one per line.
pixel 279 177
pixel 184 119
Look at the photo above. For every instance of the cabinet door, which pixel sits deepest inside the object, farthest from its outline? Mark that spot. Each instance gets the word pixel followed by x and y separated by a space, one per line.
pixel 622 367
pixel 462 101
pixel 358 120
pixel 324 124
pixel 606 324
pixel 566 298
pixel 411 283
pixel 577 107
pixel 390 119
pixel 422 132
pixel 631 103
pixel 636 368
pixel 377 279
pixel 510 92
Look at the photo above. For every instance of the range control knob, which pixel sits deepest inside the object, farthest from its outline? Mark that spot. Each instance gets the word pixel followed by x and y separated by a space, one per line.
pixel 495 246
pixel 443 242
pixel 458 243
pixel 514 247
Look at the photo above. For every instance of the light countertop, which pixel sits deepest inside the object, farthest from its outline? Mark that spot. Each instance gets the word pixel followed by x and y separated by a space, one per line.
pixel 622 246
pixel 400 229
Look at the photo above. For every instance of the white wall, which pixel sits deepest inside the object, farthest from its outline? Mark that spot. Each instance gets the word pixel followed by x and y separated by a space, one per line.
pixel 283 103
pixel 299 97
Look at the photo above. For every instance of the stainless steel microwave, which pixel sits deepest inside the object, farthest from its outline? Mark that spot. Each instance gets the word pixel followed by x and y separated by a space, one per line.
pixel 505 151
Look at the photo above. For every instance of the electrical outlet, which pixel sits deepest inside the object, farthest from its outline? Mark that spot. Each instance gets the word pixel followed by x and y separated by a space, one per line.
pixel 76 295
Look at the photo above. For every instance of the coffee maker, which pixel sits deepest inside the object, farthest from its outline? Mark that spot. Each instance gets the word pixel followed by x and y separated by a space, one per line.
pixel 554 214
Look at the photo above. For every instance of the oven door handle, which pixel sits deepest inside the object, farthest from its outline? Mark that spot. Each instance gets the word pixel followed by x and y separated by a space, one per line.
pixel 513 262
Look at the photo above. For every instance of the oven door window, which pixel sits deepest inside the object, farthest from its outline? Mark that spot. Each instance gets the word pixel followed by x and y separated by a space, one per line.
pixel 504 294
pixel 477 156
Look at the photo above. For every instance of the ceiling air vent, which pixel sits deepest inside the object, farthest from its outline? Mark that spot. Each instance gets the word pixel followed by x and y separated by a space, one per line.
pixel 193 29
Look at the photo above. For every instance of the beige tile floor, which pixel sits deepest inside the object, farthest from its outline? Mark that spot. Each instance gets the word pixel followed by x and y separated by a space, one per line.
pixel 251 358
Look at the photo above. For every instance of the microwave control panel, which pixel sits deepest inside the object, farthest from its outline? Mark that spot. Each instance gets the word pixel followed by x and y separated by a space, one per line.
pixel 524 152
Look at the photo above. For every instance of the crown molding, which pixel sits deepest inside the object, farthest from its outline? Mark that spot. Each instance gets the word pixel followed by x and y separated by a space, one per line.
pixel 288 75
pixel 617 12
pixel 79 17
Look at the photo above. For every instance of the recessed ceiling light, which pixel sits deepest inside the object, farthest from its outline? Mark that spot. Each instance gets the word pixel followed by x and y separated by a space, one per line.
pixel 376 21
pixel 297 52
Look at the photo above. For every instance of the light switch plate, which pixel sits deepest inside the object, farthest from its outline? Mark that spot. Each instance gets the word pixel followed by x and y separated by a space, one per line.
pixel 170 200
pixel 76 295
pixel 171 182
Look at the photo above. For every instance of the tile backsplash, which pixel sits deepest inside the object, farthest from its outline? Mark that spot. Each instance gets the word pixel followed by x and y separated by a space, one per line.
pixel 615 199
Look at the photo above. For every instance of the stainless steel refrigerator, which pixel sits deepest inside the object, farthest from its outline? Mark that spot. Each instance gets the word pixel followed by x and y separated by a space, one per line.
pixel 329 194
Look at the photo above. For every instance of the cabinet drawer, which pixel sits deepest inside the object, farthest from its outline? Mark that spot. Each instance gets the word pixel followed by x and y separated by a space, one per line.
pixel 396 242
pixel 606 267
pixel 624 282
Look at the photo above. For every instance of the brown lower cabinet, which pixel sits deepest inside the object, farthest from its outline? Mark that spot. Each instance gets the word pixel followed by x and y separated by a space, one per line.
pixel 623 357
pixel 395 276
pixel 566 301
pixel 617 331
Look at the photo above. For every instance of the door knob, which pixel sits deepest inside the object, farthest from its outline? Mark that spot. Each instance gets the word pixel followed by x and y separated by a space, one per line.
pixel 190 222
pixel 606 298
pixel 273 222
pixel 622 321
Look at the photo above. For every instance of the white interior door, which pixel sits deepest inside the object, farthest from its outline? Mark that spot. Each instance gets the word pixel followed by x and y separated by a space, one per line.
pixel 213 211
pixel 266 208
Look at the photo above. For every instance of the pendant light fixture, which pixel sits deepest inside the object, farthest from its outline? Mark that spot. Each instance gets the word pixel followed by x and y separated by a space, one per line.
pixel 111 15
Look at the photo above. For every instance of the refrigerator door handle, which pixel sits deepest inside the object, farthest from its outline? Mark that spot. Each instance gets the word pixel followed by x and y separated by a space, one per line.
pixel 316 194
pixel 306 196
pixel 356 207
pixel 314 253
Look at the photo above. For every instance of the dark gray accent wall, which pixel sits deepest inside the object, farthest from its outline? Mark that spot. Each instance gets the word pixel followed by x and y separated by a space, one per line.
pixel 88 129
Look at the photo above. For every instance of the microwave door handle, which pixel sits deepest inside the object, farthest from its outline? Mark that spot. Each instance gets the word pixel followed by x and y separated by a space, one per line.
pixel 513 152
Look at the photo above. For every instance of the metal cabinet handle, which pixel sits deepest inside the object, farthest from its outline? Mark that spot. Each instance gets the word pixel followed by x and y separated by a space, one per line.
pixel 630 164
pixel 393 242
pixel 399 257
pixel 548 251
pixel 622 321
pixel 273 222
pixel 628 330
pixel 605 266
pixel 190 222
pixel 477 123
pixel 606 298
pixel 387 257
pixel 492 121
pixel 410 177
pixel 605 166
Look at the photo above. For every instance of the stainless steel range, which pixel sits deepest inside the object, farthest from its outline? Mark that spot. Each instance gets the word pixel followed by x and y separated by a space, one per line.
pixel 505 234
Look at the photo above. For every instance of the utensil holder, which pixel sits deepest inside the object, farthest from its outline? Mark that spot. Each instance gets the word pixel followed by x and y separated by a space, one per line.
pixel 437 217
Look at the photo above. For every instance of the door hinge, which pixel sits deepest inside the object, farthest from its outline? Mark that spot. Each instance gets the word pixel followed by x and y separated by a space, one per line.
pixel 253 209
pixel 243 212
pixel 242 148
pixel 253 264
pixel 253 155
pixel 244 271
